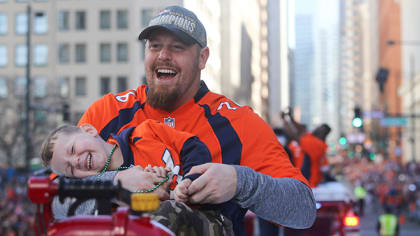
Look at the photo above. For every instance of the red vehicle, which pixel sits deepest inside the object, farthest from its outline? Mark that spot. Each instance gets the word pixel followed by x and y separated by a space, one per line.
pixel 335 213
pixel 127 220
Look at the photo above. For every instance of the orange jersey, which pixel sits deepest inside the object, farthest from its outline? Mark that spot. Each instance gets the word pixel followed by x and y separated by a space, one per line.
pixel 234 134
pixel 316 149
pixel 157 144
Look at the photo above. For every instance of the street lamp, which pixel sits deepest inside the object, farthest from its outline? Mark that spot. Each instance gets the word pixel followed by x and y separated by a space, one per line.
pixel 28 146
pixel 412 98
pixel 27 116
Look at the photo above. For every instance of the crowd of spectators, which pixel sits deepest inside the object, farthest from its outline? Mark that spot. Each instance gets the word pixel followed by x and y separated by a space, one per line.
pixel 16 211
pixel 389 183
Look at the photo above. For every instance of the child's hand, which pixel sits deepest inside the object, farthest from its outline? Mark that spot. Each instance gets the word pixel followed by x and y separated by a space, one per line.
pixel 181 190
pixel 136 178
pixel 158 170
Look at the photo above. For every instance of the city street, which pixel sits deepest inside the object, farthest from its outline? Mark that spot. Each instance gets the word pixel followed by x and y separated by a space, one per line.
pixel 368 225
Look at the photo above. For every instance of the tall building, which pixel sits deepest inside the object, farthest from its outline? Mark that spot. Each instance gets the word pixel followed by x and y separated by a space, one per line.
pixel 351 67
pixel 279 61
pixel 389 15
pixel 303 67
pixel 324 84
pixel 209 13
pixel 409 45
pixel 244 53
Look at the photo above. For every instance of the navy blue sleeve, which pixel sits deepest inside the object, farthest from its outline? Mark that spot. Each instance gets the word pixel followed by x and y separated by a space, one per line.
pixel 194 152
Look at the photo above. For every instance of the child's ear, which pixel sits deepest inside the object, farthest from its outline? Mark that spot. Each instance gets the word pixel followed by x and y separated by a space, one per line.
pixel 90 129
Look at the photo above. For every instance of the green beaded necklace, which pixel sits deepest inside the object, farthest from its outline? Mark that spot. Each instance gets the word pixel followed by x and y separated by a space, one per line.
pixel 108 160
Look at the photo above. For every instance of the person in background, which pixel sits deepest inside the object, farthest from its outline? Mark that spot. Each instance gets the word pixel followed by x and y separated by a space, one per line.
pixel 250 167
pixel 313 146
pixel 360 194
pixel 388 223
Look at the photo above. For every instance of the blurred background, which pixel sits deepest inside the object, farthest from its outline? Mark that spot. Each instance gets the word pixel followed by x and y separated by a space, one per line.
pixel 350 63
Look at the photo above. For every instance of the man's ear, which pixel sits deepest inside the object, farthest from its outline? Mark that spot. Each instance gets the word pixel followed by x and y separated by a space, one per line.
pixel 204 55
pixel 90 129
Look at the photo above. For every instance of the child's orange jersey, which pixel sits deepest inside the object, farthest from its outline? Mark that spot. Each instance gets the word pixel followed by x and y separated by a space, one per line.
pixel 157 144
pixel 316 149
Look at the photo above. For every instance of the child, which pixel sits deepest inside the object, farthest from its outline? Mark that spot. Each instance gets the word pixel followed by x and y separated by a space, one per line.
pixel 80 152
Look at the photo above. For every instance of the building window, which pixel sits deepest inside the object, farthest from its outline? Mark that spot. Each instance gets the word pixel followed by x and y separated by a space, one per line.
pixel 40 116
pixel 63 20
pixel 80 54
pixel 105 19
pixel 40 87
pixel 122 19
pixel 20 86
pixel 105 86
pixel 3 23
pixel 64 86
pixel 20 55
pixel 146 16
pixel 3 56
pixel 21 23
pixel 3 87
pixel 41 55
pixel 40 23
pixel 80 86
pixel 121 84
pixel 80 20
pixel 63 53
pixel 122 52
pixel 105 52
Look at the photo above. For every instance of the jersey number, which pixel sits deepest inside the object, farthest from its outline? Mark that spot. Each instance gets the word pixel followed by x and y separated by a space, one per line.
pixel 124 98
pixel 169 162
pixel 227 106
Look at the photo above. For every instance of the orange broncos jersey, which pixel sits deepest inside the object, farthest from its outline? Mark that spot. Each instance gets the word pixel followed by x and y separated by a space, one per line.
pixel 156 144
pixel 316 149
pixel 234 134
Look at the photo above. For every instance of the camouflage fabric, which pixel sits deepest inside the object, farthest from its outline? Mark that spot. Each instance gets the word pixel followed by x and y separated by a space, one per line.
pixel 184 220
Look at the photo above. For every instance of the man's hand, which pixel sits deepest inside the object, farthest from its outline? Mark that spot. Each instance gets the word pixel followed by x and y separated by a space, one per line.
pixel 181 191
pixel 217 183
pixel 136 178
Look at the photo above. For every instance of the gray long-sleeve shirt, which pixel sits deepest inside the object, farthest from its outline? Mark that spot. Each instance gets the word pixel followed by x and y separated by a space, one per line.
pixel 285 201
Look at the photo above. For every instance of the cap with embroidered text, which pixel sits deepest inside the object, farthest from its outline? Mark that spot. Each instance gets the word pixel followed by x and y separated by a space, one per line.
pixel 183 23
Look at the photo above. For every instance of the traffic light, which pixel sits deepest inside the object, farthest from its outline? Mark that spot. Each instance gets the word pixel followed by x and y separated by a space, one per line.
pixel 357 121
pixel 66 112
pixel 342 141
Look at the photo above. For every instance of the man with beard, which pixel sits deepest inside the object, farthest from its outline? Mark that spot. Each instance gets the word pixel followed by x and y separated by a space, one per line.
pixel 250 166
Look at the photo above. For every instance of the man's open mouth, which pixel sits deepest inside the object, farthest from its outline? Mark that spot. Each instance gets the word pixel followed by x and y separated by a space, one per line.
pixel 165 73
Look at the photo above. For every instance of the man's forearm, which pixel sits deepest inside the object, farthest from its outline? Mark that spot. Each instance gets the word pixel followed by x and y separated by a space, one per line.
pixel 285 201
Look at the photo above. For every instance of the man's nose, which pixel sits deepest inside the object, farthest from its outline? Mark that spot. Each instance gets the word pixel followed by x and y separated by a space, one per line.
pixel 164 54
